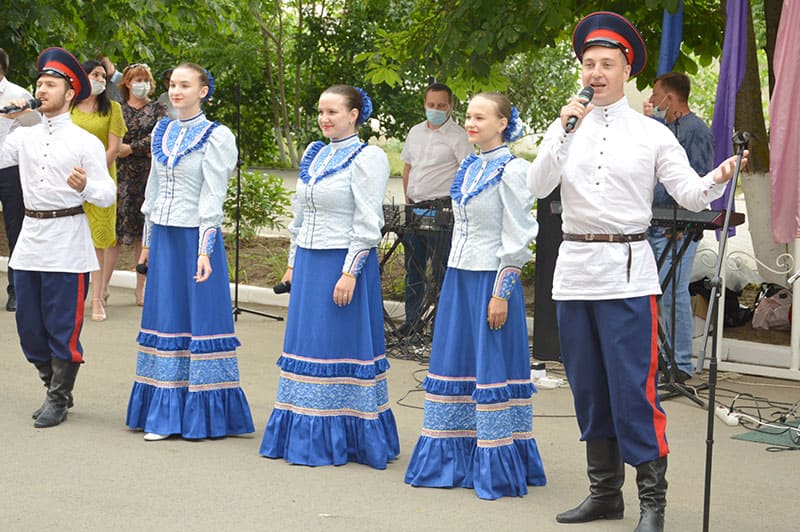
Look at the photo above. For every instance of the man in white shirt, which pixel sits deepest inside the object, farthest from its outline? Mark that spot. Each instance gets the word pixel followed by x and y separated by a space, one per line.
pixel 60 166
pixel 432 154
pixel 10 190
pixel 606 282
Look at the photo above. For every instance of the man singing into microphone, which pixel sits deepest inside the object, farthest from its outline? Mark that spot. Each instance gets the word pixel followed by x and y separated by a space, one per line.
pixel 605 281
pixel 60 167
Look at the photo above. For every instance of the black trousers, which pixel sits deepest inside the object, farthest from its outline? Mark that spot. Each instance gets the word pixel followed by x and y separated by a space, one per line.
pixel 13 211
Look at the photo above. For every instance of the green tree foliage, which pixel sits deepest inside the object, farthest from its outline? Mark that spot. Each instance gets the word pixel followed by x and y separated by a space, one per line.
pixel 153 31
pixel 539 83
pixel 465 39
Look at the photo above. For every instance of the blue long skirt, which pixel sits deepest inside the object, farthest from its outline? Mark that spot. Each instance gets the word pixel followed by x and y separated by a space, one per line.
pixel 187 375
pixel 478 424
pixel 333 402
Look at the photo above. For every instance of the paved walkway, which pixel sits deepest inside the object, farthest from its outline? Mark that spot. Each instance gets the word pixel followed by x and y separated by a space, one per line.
pixel 93 474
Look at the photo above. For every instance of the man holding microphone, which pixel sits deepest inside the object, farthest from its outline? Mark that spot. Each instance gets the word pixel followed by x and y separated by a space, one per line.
pixel 61 166
pixel 606 281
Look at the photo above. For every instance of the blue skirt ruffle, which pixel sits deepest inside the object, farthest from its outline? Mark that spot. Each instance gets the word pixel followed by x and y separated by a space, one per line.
pixel 187 375
pixel 193 415
pixel 478 425
pixel 333 403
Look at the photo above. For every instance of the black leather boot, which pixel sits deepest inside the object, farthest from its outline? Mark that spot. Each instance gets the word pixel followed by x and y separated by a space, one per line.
pixel 46 373
pixel 606 476
pixel 61 384
pixel 652 482
pixel 45 370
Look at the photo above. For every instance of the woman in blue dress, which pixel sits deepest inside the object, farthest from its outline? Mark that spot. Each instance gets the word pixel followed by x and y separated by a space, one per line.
pixel 478 423
pixel 187 375
pixel 333 405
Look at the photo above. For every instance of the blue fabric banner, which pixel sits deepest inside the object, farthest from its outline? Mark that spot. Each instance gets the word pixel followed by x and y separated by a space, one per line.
pixel 671 37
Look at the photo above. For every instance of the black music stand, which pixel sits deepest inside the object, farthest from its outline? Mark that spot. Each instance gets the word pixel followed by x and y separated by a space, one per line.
pixel 394 223
pixel 236 308
pixel 666 359
pixel 740 141
pixel 424 218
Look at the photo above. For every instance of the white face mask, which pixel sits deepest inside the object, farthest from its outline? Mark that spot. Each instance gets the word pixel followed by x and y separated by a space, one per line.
pixel 141 89
pixel 98 87
pixel 659 113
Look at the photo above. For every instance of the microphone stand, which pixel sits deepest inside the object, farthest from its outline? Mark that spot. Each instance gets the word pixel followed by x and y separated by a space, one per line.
pixel 740 141
pixel 236 308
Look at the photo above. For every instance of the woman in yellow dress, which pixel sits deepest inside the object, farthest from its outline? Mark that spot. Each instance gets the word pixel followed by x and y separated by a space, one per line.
pixel 102 118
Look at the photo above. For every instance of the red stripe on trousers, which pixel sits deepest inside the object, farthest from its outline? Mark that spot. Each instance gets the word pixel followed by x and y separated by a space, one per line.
pixel 76 329
pixel 659 417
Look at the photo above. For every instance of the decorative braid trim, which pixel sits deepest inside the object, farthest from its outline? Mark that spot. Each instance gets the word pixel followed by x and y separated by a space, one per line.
pixel 164 130
pixel 314 151
pixel 456 189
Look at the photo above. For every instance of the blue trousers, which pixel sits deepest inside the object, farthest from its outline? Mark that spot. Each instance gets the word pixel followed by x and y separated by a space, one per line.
pixel 683 300
pixel 610 353
pixel 419 248
pixel 13 211
pixel 50 314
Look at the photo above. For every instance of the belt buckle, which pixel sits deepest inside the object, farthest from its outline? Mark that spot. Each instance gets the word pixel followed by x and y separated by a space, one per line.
pixel 590 237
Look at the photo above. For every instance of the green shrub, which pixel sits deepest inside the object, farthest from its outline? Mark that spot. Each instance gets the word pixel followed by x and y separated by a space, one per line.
pixel 264 203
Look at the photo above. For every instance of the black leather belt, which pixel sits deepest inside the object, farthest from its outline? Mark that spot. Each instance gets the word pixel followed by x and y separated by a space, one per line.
pixel 593 237
pixel 58 213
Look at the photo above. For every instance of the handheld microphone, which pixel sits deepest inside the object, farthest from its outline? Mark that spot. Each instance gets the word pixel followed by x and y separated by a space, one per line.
pixel 282 287
pixel 587 93
pixel 33 103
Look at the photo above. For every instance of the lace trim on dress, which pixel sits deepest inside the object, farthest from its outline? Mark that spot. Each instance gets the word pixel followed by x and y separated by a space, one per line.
pixel 317 150
pixel 166 133
pixel 461 194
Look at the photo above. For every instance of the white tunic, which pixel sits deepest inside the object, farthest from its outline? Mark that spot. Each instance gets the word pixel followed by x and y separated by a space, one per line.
pixel 434 156
pixel 493 223
pixel 339 200
pixel 607 170
pixel 46 155
pixel 193 160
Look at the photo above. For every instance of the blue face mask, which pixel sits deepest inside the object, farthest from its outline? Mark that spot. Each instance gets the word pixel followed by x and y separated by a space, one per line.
pixel 436 117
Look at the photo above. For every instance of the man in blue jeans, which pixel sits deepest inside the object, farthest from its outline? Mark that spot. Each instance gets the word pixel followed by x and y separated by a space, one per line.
pixel 670 103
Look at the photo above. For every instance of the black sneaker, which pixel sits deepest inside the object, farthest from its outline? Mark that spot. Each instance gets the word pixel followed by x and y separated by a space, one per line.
pixel 11 304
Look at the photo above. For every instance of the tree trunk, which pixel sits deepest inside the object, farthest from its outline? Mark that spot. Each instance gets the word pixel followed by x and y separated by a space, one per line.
pixel 273 100
pixel 297 65
pixel 772 17
pixel 284 104
pixel 756 181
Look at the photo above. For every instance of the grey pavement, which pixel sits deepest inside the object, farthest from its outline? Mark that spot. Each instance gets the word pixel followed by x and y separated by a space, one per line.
pixel 93 474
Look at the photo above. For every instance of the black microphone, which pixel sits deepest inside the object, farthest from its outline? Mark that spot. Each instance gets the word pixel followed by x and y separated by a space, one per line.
pixel 282 287
pixel 33 103
pixel 587 93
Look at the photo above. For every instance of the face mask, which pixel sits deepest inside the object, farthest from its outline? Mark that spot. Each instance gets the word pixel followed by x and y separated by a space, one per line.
pixel 97 87
pixel 436 117
pixel 658 112
pixel 141 89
